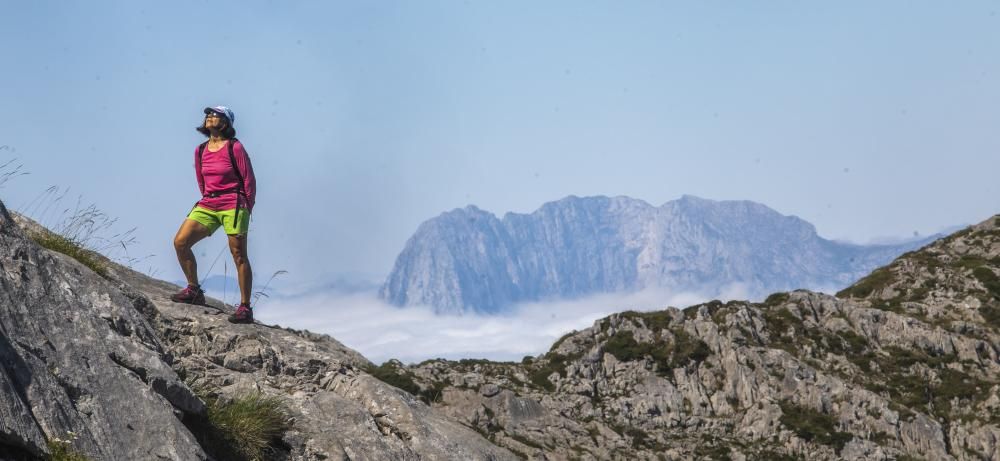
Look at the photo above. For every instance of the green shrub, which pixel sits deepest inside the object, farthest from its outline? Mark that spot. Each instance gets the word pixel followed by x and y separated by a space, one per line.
pixel 912 390
pixel 776 298
pixel 625 348
pixel 779 320
pixel 989 280
pixel 543 369
pixel 853 343
pixel 656 320
pixel 785 330
pixel 681 351
pixel 688 349
pixel 991 314
pixel 247 426
pixel 879 278
pixel 956 385
pixel 924 258
pixel 71 248
pixel 561 340
pixel 389 373
pixel 432 394
pixel 813 426
pixel 969 262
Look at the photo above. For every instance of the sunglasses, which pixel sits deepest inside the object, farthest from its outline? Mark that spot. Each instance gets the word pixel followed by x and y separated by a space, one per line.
pixel 212 115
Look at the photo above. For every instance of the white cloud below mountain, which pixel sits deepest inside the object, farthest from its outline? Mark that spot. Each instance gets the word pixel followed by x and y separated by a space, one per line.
pixel 412 334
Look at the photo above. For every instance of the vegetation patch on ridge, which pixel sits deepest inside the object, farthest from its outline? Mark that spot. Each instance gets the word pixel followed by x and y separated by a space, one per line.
pixel 775 299
pixel 552 363
pixel 924 382
pixel 561 340
pixel 676 352
pixel 813 426
pixel 989 280
pixel 655 320
pixel 878 279
pixel 394 375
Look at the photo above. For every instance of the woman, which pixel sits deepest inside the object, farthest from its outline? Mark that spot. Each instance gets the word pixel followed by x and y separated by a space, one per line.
pixel 228 189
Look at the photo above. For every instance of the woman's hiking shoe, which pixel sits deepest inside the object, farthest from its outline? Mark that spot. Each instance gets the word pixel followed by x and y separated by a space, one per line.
pixel 189 295
pixel 244 314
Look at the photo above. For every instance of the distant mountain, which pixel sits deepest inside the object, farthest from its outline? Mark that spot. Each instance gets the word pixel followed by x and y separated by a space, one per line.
pixel 469 260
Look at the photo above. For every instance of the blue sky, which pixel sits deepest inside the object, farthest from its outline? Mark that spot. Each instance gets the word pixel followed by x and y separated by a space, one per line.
pixel 363 119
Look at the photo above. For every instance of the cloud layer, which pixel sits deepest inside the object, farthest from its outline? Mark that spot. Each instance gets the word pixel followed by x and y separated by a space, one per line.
pixel 412 334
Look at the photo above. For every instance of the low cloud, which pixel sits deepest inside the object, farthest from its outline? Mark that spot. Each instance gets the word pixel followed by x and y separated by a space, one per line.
pixel 380 331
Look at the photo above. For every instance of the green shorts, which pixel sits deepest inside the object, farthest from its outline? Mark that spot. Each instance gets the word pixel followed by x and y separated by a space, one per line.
pixel 213 219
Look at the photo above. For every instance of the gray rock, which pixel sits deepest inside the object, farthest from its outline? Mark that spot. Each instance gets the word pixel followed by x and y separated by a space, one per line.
pixel 489 390
pixel 79 361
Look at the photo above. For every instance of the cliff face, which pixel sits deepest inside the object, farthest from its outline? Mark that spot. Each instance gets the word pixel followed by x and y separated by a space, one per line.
pixel 100 359
pixel 904 364
pixel 468 259
pixel 79 355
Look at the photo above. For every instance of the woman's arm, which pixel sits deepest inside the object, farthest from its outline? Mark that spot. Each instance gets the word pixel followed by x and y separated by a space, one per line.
pixel 246 169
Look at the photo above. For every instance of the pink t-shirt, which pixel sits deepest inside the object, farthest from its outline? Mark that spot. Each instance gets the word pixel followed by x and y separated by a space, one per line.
pixel 217 175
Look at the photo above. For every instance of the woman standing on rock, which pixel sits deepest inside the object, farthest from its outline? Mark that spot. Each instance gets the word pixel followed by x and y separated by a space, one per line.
pixel 228 189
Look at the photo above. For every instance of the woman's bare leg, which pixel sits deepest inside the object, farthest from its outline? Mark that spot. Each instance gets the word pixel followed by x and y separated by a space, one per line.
pixel 191 232
pixel 238 247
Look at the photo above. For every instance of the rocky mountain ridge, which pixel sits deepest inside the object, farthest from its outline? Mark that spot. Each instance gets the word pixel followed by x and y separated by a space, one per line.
pixel 108 362
pixel 468 259
pixel 904 364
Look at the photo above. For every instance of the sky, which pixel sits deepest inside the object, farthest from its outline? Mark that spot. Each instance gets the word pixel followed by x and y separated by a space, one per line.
pixel 871 120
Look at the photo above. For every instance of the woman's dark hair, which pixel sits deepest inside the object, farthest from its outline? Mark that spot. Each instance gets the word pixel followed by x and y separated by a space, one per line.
pixel 228 132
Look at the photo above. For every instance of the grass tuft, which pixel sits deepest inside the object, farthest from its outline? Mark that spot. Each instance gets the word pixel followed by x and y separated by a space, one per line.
pixel 71 248
pixel 248 426
pixel 62 450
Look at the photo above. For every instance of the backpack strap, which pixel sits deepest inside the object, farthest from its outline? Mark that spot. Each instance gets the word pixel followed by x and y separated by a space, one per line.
pixel 239 176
